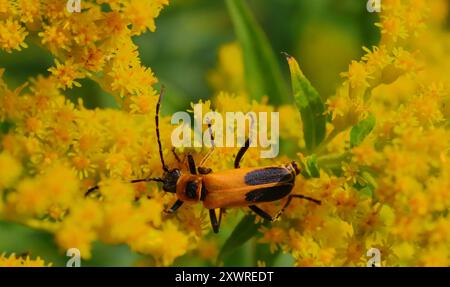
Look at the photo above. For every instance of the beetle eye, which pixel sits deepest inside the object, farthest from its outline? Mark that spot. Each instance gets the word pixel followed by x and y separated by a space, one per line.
pixel 191 189
pixel 295 166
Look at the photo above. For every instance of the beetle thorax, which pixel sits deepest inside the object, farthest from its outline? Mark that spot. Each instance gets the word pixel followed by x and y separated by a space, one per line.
pixel 189 188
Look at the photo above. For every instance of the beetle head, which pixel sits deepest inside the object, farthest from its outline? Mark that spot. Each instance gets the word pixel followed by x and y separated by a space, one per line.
pixel 170 179
pixel 295 166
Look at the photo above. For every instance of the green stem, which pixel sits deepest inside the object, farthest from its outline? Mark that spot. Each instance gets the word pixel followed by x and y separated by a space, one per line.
pixel 327 140
pixel 333 161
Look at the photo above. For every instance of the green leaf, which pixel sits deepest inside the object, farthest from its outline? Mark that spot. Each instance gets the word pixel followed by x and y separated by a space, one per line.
pixel 366 184
pixel 310 167
pixel 369 179
pixel 313 168
pixel 332 163
pixel 370 184
pixel 262 71
pixel 361 130
pixel 263 253
pixel 245 230
pixel 366 191
pixel 310 105
pixel 6 126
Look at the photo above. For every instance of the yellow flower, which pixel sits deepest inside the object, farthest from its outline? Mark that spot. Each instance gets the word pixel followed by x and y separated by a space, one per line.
pixel 378 57
pixel 274 236
pixel 73 236
pixel 30 10
pixel 55 38
pixel 326 256
pixel 390 192
pixel 229 75
pixel 355 252
pixel 12 35
pixel 393 28
pixel 435 257
pixel 34 196
pixel 141 14
pixel 11 170
pixel 208 250
pixel 83 166
pixel 357 75
pixel 66 74
pixel 21 261
pixel 261 263
pixel 351 172
pixel 156 243
pixel 5 6
pixel 405 252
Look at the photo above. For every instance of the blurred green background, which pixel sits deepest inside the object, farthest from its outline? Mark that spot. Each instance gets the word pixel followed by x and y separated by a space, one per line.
pixel 324 35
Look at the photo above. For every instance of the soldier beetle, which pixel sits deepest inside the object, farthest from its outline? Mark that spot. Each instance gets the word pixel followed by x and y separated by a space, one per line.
pixel 239 187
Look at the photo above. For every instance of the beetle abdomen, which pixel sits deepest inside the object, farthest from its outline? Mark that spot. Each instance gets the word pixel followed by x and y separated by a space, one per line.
pixel 247 186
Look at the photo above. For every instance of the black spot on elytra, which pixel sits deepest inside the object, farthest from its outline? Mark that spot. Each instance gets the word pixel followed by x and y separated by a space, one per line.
pixel 203 194
pixel 268 194
pixel 268 175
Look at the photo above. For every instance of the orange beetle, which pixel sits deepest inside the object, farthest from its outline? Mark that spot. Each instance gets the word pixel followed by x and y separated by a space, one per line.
pixel 237 187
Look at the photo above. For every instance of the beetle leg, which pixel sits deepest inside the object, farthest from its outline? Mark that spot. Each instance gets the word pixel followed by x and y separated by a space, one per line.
pixel 262 213
pixel 175 206
pixel 307 198
pixel 290 197
pixel 214 223
pixel 243 149
pixel 284 207
pixel 241 153
pixel 204 170
pixel 147 179
pixel 191 163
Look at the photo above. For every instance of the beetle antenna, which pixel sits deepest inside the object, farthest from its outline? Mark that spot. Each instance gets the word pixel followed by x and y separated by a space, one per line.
pixel 157 179
pixel 91 190
pixel 164 166
pixel 205 158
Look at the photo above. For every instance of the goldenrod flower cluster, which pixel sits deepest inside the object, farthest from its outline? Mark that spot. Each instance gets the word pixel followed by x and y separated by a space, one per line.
pixel 53 150
pixel 390 191
pixel 96 43
pixel 21 261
